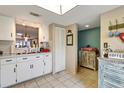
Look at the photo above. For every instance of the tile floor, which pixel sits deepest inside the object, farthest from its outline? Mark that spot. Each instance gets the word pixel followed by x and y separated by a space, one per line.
pixel 86 78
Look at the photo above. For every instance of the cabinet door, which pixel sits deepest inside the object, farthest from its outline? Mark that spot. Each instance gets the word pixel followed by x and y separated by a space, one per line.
pixel 91 60
pixel 8 75
pixel 47 64
pixel 84 58
pixel 7 28
pixel 36 68
pixel 23 71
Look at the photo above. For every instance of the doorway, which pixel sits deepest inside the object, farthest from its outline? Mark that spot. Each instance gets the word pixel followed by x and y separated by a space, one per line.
pixel 88 50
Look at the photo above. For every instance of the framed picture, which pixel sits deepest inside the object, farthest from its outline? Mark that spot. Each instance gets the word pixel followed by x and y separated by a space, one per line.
pixel 69 40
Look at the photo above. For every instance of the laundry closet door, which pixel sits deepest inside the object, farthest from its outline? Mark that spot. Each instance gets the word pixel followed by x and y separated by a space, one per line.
pixel 59 49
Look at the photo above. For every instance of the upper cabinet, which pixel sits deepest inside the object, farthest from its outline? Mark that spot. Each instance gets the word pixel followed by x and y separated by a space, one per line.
pixel 7 28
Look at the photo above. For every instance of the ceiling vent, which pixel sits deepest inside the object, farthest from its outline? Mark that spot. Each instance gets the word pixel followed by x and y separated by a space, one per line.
pixel 35 14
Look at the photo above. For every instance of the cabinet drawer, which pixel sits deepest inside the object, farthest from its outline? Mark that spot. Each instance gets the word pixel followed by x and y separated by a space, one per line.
pixel 36 57
pixel 47 56
pixel 8 61
pixel 108 84
pixel 114 69
pixel 22 59
pixel 115 79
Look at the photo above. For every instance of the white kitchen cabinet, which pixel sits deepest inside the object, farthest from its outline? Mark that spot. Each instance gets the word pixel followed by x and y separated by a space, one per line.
pixel 7 28
pixel 29 67
pixel 8 72
pixel 18 69
pixel 8 75
pixel 23 71
pixel 37 66
pixel 23 68
pixel 47 60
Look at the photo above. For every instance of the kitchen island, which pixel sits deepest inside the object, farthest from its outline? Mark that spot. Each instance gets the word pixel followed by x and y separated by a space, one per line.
pixel 111 73
pixel 19 68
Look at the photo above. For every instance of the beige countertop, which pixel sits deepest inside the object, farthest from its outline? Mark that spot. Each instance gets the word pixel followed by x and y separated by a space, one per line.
pixel 20 55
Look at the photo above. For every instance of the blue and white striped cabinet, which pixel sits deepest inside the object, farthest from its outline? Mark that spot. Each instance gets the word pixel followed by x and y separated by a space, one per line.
pixel 111 73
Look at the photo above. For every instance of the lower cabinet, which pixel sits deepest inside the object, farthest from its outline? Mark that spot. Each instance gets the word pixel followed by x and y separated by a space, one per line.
pixel 23 71
pixel 24 68
pixel 36 68
pixel 29 70
pixel 8 75
pixel 47 59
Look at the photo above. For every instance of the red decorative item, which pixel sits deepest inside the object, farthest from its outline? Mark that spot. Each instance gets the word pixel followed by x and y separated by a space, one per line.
pixel 45 50
pixel 121 36
pixel 88 49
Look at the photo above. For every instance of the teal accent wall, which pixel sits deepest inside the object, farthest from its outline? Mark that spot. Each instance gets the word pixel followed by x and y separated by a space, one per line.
pixel 89 37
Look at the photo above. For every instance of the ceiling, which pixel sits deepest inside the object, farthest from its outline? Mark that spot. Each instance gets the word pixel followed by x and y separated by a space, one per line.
pixel 81 14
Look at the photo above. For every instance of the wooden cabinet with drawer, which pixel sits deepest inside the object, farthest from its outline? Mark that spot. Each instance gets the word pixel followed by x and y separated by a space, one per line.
pixel 88 59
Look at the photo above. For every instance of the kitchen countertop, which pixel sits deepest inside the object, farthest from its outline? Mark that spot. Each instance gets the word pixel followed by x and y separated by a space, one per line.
pixel 112 60
pixel 19 55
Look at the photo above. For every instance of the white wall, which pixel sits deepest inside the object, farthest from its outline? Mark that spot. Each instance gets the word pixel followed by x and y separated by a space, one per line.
pixel 71 51
pixel 114 42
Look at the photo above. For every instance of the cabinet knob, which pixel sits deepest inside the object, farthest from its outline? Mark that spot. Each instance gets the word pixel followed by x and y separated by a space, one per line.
pixel 14 69
pixel 25 58
pixel 37 57
pixel 8 60
pixel 31 66
pixel 11 34
pixel 44 64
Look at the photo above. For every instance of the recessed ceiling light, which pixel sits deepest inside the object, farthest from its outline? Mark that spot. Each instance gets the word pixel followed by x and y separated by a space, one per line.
pixel 87 25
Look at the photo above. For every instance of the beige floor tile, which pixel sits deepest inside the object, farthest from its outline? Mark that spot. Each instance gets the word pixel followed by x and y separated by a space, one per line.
pixel 68 83
pixel 50 78
pixel 57 75
pixel 54 82
pixel 41 81
pixel 60 85
pixel 67 76
pixel 63 79
pixel 31 84
pixel 21 85
pixel 46 86
pixel 74 80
